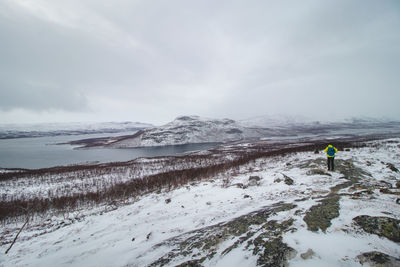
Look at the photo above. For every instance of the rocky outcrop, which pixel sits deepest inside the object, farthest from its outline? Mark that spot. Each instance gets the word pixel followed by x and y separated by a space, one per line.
pixel 320 216
pixel 392 167
pixel 262 237
pixel 288 180
pixel 378 259
pixel 254 180
pixel 381 226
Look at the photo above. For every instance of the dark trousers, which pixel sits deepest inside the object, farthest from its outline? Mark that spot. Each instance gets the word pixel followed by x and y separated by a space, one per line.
pixel 331 163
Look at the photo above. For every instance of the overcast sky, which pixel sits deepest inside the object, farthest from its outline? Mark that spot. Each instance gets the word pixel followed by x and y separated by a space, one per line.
pixel 150 61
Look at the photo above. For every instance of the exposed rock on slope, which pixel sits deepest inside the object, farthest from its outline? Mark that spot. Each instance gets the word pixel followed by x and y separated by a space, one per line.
pixel 382 226
pixel 262 237
pixel 378 259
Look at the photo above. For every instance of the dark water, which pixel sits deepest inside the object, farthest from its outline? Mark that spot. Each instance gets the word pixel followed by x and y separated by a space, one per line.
pixel 41 152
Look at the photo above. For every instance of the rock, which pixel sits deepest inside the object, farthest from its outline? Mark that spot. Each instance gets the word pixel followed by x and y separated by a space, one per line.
pixel 254 180
pixel 208 203
pixel 317 172
pixel 368 163
pixel 398 184
pixel 392 167
pixel 376 258
pixel 239 185
pixel 385 184
pixel 269 247
pixel 246 196
pixel 168 200
pixel 384 191
pixel 191 263
pixel 257 178
pixel 148 236
pixel 277 180
pixel 259 235
pixel 133 239
pixel 288 180
pixel 320 192
pixel 347 149
pixel 307 255
pixel 320 216
pixel 388 191
pixel 381 226
pixel 298 212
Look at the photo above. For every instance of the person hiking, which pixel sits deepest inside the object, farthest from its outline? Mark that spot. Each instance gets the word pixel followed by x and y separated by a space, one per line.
pixel 330 152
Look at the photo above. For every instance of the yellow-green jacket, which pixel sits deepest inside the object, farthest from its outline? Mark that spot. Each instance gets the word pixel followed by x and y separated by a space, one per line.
pixel 330 151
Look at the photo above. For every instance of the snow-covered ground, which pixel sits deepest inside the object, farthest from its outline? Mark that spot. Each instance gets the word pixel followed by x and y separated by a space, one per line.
pixel 146 229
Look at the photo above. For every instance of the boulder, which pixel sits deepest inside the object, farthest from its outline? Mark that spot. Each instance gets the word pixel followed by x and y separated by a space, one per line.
pixel 307 255
pixel 288 180
pixel 254 180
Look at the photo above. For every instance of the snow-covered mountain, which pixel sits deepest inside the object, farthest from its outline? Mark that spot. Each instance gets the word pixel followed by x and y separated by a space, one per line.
pixel 189 129
pixel 8 131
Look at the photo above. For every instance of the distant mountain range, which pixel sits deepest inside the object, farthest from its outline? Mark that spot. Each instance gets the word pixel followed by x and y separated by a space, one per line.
pixel 9 131
pixel 195 129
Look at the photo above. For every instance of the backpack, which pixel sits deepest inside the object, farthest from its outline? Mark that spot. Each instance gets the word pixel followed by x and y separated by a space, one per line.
pixel 331 151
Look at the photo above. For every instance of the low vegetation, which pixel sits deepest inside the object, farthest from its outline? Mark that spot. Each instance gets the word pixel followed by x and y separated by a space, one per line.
pixel 64 189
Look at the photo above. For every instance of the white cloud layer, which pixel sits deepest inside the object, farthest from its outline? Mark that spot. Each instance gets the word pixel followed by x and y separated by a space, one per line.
pixel 153 60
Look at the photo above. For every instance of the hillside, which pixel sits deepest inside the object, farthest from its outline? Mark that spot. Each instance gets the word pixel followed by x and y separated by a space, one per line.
pixel 186 130
pixel 279 207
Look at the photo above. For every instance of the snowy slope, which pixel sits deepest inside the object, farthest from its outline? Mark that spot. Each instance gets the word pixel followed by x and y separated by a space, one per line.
pixel 234 219
pixel 189 129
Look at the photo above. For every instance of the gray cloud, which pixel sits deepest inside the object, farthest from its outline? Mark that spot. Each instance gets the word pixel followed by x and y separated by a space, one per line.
pixel 40 97
pixel 154 60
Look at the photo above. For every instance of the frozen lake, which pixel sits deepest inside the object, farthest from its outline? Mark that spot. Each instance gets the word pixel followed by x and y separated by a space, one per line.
pixel 41 152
